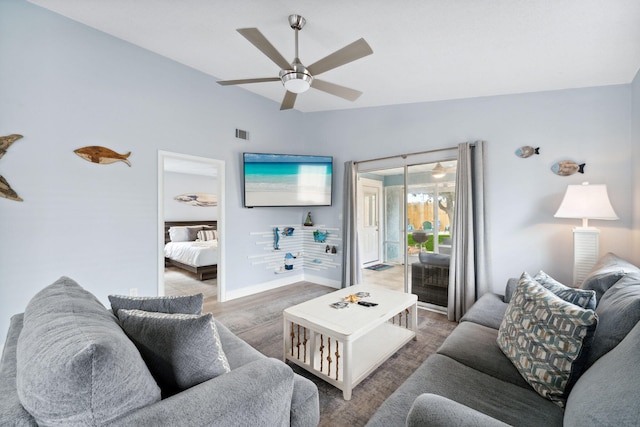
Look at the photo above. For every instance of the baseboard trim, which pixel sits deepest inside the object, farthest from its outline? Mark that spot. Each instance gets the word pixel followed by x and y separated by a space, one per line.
pixel 284 280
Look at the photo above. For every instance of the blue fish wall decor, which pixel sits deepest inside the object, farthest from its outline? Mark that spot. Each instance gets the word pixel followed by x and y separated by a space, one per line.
pixel 567 167
pixel 527 151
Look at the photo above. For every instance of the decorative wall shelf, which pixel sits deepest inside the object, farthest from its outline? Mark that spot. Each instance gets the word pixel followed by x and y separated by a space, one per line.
pixel 310 255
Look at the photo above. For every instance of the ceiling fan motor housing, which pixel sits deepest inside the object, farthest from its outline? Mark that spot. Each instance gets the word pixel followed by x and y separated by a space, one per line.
pixel 298 79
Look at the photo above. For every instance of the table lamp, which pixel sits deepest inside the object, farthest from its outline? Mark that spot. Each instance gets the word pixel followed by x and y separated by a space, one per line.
pixel 585 202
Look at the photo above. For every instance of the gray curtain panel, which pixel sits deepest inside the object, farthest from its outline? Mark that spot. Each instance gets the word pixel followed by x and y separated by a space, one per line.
pixel 469 273
pixel 351 273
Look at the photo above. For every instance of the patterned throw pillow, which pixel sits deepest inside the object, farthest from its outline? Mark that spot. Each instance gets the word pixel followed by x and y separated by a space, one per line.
pixel 206 235
pixel 545 338
pixel 185 304
pixel 584 298
pixel 180 350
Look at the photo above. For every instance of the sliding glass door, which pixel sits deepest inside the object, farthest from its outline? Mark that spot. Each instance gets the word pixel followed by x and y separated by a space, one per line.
pixel 411 211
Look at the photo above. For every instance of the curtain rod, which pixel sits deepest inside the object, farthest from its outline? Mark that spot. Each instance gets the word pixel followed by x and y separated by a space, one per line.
pixel 404 156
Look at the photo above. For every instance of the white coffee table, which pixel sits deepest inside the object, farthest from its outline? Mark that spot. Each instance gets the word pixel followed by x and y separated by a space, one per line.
pixel 343 346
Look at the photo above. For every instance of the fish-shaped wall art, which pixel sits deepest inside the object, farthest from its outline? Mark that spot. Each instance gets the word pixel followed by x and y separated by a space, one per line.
pixel 567 167
pixel 102 155
pixel 7 192
pixel 6 141
pixel 198 199
pixel 527 151
pixel 288 231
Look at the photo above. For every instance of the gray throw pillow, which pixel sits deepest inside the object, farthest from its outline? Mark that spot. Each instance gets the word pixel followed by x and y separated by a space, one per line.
pixel 618 312
pixel 75 365
pixel 584 298
pixel 607 271
pixel 181 350
pixel 185 304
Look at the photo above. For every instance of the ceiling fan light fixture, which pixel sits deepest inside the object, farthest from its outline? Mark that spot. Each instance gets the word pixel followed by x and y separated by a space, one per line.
pixel 438 171
pixel 296 81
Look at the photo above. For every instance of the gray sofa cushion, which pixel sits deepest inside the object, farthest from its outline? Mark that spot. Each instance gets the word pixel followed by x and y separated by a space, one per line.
pixel 619 311
pixel 75 365
pixel 608 393
pixel 446 377
pixel 475 346
pixel 487 311
pixel 607 271
pixel 185 304
pixel 181 350
pixel 433 410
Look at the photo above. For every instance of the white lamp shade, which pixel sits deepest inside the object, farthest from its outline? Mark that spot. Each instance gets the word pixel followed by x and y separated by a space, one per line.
pixel 587 202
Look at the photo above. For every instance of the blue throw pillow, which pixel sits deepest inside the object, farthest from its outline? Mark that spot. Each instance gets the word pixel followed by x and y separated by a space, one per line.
pixel 584 298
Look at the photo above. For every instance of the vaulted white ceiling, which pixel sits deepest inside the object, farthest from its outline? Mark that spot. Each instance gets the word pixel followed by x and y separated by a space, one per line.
pixel 424 50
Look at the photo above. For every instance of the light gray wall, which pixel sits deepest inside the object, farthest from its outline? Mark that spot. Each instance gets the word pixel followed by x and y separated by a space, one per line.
pixel 635 161
pixel 65 86
pixel 584 125
pixel 176 184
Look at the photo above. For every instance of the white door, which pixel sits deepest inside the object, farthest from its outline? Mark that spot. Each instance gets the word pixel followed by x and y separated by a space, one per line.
pixel 369 204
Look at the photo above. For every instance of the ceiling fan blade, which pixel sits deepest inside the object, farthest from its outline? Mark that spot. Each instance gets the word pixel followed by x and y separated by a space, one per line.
pixel 288 101
pixel 337 90
pixel 356 50
pixel 256 38
pixel 245 81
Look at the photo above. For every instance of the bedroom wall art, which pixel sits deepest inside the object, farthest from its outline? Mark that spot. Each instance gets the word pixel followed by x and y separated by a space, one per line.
pixel 567 167
pixel 203 200
pixel 5 189
pixel 102 155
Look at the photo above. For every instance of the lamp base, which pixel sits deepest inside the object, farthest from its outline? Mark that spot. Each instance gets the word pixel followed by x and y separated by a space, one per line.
pixel 585 252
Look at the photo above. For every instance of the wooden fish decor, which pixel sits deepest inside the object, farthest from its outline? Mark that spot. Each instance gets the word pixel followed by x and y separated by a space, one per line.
pixel 527 151
pixel 6 141
pixel 7 192
pixel 203 200
pixel 102 155
pixel 5 189
pixel 567 167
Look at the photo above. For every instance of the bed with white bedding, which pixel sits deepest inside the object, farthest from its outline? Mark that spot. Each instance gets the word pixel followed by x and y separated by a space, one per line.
pixel 192 246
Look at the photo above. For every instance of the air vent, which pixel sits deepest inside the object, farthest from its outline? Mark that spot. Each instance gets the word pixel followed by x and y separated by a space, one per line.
pixel 242 134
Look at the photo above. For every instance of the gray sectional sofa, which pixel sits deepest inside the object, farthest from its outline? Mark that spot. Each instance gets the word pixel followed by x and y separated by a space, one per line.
pixel 68 361
pixel 471 382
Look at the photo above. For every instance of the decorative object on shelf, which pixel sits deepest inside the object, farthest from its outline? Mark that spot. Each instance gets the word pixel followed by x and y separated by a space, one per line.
pixel 276 239
pixel 102 155
pixel 288 261
pixel 5 189
pixel 308 222
pixel 317 261
pixel 567 167
pixel 327 249
pixel 7 192
pixel 320 236
pixel 585 202
pixel 6 141
pixel 288 231
pixel 334 250
pixel 203 200
pixel 527 151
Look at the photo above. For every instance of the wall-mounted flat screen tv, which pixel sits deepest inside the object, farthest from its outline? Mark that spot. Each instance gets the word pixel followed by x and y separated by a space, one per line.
pixel 287 180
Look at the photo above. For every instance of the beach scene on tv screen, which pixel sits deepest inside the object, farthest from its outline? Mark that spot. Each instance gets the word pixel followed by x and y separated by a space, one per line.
pixel 287 180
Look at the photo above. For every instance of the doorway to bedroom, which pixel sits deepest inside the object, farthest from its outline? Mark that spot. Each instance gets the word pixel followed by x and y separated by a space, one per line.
pixel 190 225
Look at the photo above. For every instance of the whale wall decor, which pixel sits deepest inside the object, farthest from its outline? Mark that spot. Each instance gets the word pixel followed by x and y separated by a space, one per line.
pixel 102 155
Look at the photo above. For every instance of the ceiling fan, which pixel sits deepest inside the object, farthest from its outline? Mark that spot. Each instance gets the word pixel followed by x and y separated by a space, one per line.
pixel 297 78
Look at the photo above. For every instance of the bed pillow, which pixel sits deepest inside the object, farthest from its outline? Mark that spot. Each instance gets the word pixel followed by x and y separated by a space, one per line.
pixel 206 235
pixel 75 365
pixel 185 304
pixel 181 350
pixel 546 339
pixel 584 298
pixel 607 271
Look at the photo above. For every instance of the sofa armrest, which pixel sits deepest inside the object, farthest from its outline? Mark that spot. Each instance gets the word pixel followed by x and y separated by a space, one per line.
pixel 508 290
pixel 433 410
pixel 258 393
